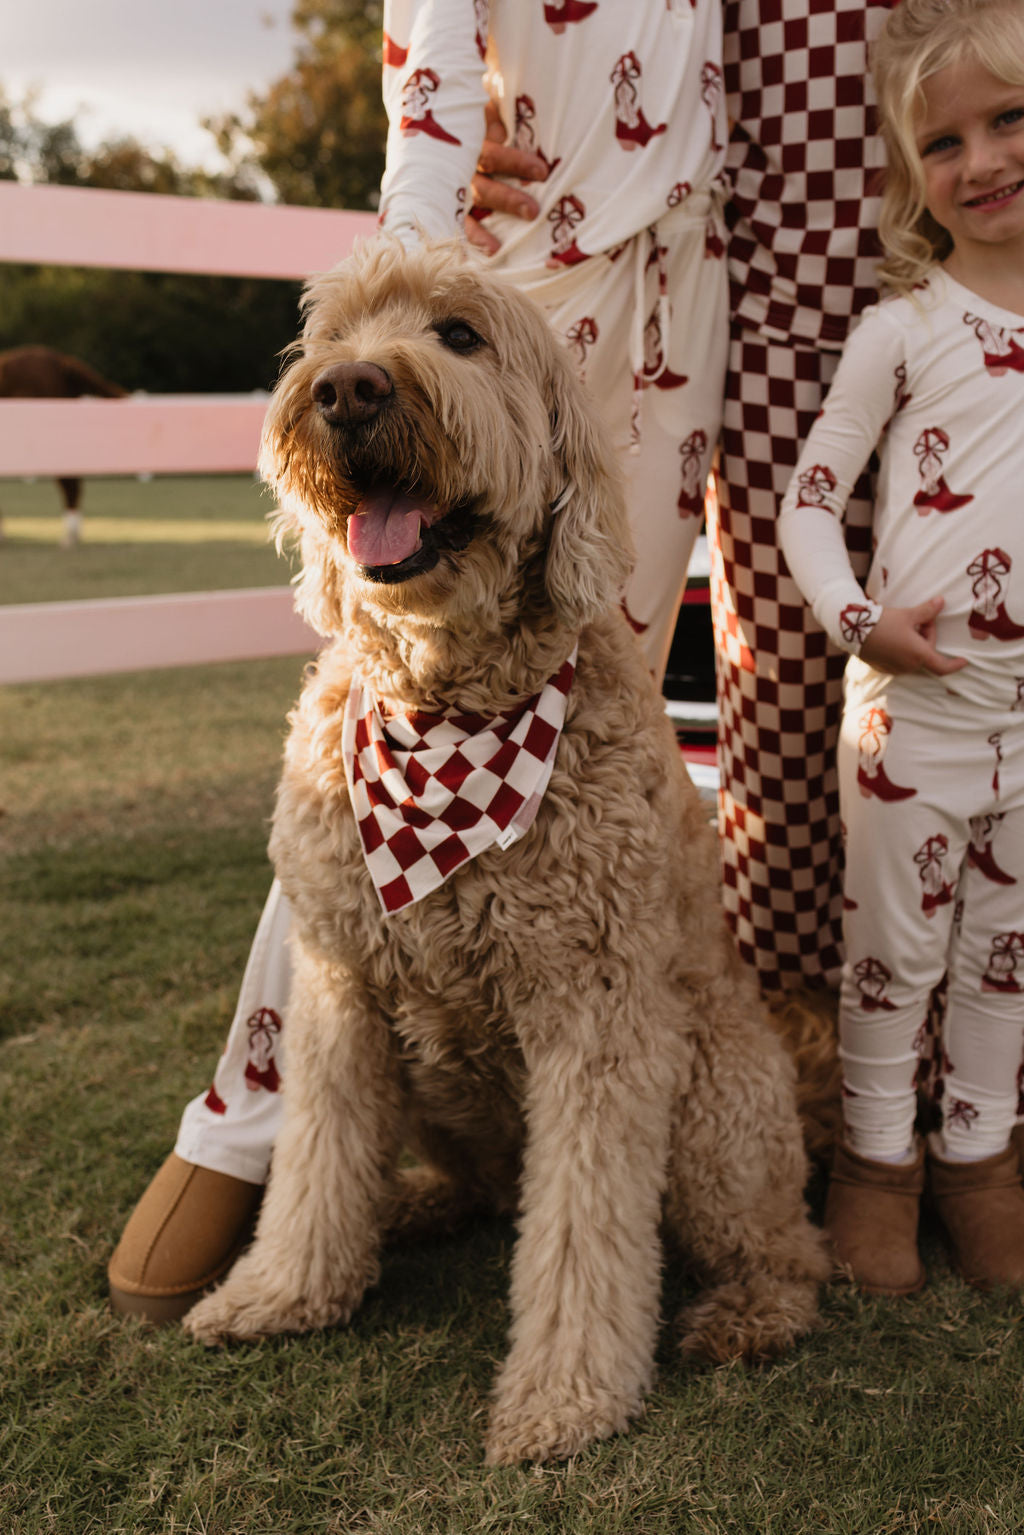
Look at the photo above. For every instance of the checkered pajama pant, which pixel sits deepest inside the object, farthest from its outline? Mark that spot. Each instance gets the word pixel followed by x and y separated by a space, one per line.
pixel 779 678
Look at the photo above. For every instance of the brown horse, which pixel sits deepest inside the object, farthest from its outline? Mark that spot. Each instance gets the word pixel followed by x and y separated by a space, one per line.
pixel 39 372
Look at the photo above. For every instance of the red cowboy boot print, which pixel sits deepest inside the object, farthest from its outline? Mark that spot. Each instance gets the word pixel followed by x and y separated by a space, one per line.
pixel 901 398
pixel 559 13
pixel 711 95
pixel 995 740
pixel 523 135
pixel 856 622
pixel 815 486
pixel 417 115
pixel 261 1069
pixel 936 890
pixel 1004 956
pixel 935 495
pixel 714 245
pixel 657 374
pixel 875 728
pixel 634 623
pixel 631 126
pixel 393 57
pixel 580 337
pixel 990 572
pixel 692 452
pixel 872 978
pixel 980 853
pixel 1001 352
pixel 960 1113
pixel 565 218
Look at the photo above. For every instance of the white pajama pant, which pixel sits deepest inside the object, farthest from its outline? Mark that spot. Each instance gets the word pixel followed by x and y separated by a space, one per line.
pixel 612 313
pixel 232 1127
pixel 932 798
pixel 657 309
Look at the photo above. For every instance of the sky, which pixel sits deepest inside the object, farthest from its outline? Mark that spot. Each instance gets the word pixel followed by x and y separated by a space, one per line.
pixel 149 68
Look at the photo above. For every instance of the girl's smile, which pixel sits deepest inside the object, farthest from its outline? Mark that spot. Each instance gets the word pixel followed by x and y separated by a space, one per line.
pixel 995 199
pixel 971 143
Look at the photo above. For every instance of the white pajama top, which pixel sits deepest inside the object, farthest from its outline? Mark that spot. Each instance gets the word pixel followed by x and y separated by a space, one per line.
pixel 935 381
pixel 622 98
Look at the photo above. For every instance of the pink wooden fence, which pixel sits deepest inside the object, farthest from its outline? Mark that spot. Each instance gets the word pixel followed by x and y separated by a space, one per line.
pixel 162 434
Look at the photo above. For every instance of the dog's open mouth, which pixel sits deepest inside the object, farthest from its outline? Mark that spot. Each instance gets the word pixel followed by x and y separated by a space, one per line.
pixel 394 535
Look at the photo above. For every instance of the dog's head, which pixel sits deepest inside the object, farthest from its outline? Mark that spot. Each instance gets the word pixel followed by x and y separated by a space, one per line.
pixel 430 442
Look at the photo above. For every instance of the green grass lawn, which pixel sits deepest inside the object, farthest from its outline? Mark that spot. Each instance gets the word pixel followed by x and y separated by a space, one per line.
pixel 133 815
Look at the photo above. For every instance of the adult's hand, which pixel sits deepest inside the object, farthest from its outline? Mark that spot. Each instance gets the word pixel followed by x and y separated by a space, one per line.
pixel 490 192
pixel 903 640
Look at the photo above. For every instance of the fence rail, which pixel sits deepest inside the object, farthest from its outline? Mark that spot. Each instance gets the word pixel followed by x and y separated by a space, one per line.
pixel 147 232
pixel 157 434
pixel 142 434
pixel 43 641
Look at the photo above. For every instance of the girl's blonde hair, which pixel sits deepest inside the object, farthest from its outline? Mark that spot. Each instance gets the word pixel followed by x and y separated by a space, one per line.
pixel 920 38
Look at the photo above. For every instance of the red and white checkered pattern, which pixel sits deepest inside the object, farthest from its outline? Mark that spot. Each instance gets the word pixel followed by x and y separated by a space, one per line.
pixel 431 791
pixel 779 679
pixel 804 162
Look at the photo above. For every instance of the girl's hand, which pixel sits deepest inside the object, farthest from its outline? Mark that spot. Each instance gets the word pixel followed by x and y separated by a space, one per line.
pixel 499 159
pixel 903 640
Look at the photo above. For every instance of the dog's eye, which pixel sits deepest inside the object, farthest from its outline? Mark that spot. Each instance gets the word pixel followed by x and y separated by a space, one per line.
pixel 457 336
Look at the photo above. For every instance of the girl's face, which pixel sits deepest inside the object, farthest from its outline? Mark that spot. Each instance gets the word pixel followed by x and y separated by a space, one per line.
pixel 971 143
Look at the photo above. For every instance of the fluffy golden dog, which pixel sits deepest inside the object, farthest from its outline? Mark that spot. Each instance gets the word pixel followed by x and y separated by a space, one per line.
pixel 562 1027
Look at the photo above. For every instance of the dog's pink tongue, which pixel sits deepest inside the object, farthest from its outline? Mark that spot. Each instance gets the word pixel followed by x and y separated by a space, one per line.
pixel 385 527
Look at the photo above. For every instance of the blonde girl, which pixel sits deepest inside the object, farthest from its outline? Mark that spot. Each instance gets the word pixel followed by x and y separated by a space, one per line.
pixel 931 758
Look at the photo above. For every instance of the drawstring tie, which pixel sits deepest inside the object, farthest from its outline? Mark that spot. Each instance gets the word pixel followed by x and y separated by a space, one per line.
pixel 660 319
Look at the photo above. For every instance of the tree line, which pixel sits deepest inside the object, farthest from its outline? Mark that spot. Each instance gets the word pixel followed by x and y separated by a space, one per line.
pixel 314 137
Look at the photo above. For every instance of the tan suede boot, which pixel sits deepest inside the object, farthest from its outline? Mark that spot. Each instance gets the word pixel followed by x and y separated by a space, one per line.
pixel 871 1219
pixel 981 1207
pixel 184 1233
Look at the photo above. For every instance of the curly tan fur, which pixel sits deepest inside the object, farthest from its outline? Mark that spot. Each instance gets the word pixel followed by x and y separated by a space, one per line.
pixel 806 1021
pixel 563 1027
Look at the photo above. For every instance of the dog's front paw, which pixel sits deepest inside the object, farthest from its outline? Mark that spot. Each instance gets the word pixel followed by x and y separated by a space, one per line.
pixel 752 1319
pixel 249 1306
pixel 553 1423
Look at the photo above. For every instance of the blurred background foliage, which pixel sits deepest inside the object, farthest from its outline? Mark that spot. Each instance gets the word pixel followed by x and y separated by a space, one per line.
pixel 315 137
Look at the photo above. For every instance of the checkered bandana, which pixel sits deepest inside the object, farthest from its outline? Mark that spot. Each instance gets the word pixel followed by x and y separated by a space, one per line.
pixel 431 791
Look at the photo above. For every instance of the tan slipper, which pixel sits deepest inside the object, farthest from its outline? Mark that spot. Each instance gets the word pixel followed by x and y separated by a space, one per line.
pixel 183 1235
pixel 981 1207
pixel 871 1216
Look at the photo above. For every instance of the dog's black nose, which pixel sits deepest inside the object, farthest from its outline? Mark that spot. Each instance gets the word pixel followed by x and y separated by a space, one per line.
pixel 351 391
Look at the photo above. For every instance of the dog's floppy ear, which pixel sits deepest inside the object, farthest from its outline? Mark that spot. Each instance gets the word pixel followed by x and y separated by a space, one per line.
pixel 590 553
